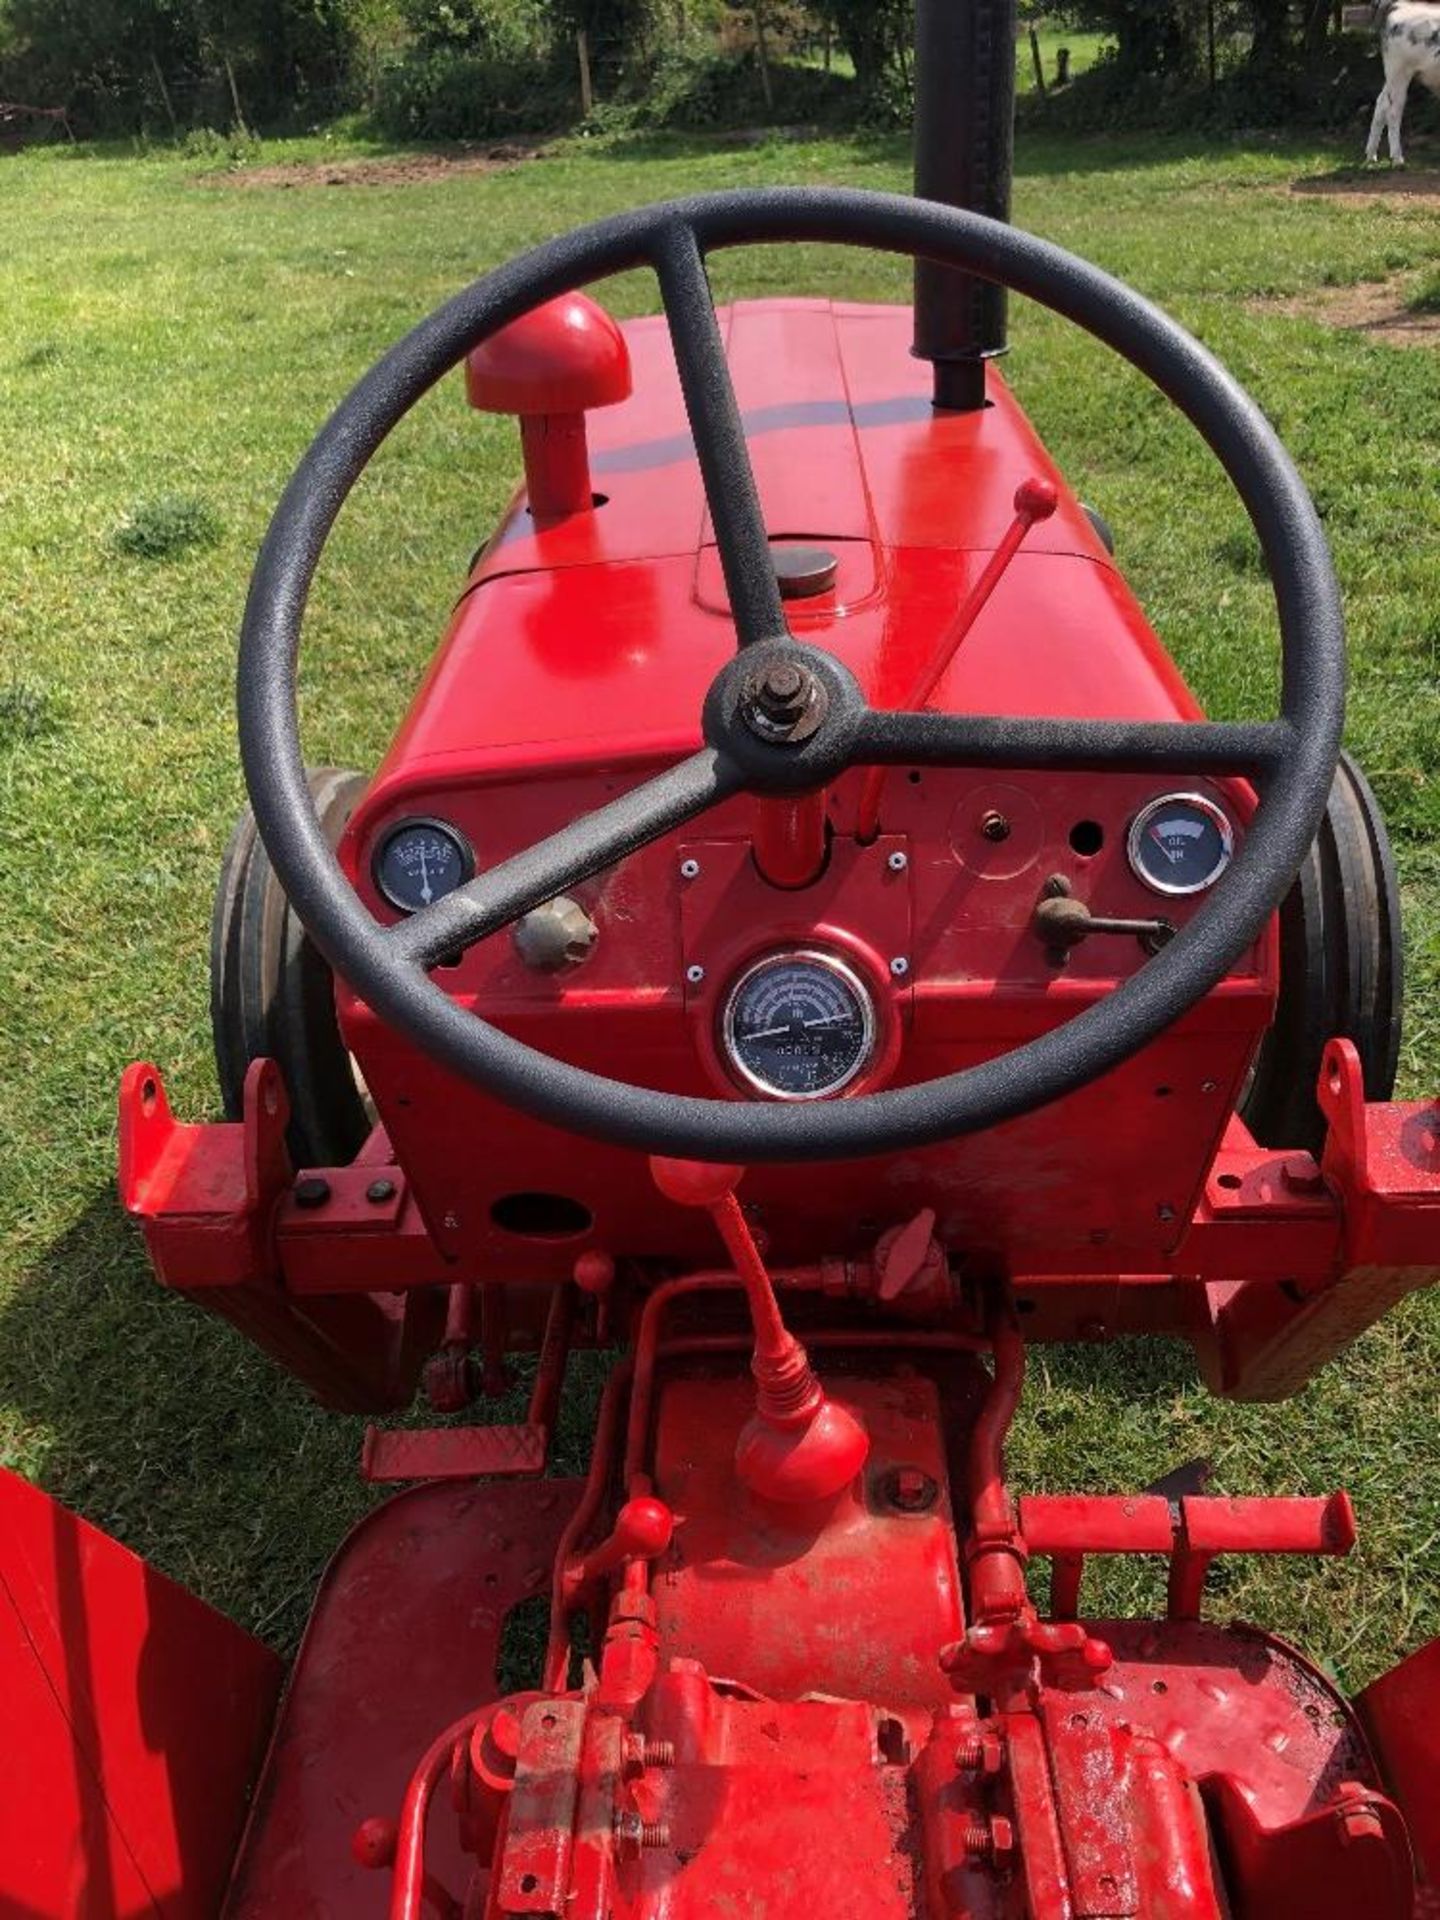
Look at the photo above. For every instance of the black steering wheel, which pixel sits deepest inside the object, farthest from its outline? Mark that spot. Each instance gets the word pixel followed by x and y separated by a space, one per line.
pixel 783 717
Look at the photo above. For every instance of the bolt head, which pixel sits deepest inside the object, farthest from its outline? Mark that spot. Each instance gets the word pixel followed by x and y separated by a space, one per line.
pixel 899 966
pixel 783 703
pixel 312 1191
pixel 782 685
pixel 897 862
pixel 379 1191
pixel 689 869
pixel 994 826
pixel 909 1490
pixel 694 975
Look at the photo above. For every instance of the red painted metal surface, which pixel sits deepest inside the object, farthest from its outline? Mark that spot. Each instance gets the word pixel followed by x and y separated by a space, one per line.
pixel 778 1720
pixel 1401 1712
pixel 134 1722
pixel 853 1702
pixel 403 1641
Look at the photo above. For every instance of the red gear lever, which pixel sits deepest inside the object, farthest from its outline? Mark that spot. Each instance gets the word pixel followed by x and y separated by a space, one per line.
pixel 799 1446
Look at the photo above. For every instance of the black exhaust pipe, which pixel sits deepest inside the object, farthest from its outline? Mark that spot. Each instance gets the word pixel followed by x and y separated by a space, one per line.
pixel 964 153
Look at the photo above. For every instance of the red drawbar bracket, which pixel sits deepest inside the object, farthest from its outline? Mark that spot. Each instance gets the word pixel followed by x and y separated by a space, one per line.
pixel 1380 1171
pixel 212 1203
pixel 1189 1532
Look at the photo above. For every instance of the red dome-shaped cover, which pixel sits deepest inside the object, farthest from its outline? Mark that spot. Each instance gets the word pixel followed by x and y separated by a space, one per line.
pixel 564 357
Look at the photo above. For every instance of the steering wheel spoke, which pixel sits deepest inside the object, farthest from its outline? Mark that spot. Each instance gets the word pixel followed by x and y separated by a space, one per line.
pixel 1072 746
pixel 583 847
pixel 719 436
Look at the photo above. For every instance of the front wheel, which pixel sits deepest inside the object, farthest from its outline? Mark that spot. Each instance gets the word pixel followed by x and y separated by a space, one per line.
pixel 1341 970
pixel 272 995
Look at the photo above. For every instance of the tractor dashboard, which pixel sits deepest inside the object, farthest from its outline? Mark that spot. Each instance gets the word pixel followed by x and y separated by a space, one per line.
pixel 984 908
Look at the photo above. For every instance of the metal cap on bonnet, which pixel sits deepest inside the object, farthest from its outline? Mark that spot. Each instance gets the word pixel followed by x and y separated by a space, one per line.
pixel 550 367
pixel 565 357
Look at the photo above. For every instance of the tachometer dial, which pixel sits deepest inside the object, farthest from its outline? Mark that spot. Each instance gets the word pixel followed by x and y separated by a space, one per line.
pixel 1181 843
pixel 419 861
pixel 798 1026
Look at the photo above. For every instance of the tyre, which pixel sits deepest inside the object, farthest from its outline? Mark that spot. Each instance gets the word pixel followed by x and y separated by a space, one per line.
pixel 273 995
pixel 1341 970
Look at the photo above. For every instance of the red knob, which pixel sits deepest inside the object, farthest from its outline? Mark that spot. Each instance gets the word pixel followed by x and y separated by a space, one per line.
pixel 694 1183
pixel 1036 499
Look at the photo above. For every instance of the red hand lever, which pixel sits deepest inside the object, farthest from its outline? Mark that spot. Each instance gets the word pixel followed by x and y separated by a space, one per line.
pixel 1035 500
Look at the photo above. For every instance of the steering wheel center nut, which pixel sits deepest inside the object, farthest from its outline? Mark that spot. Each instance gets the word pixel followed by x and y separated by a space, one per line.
pixel 783 702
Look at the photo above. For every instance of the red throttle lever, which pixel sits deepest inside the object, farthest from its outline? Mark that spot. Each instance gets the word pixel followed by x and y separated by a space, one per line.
pixel 799 1446
pixel 1035 500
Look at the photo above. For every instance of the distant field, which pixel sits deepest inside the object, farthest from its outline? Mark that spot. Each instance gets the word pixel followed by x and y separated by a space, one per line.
pixel 168 344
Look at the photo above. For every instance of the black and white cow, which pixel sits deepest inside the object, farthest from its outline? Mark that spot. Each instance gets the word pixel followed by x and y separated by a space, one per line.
pixel 1410 47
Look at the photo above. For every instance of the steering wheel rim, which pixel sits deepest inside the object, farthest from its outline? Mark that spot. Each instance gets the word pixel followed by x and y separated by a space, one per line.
pixel 1294 758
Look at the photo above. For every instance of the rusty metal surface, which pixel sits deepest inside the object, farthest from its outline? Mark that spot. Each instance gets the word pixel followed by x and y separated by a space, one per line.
pixel 736 1569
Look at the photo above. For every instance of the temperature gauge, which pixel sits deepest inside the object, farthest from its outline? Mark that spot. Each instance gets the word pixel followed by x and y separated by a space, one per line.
pixel 1181 843
pixel 419 861
pixel 798 1026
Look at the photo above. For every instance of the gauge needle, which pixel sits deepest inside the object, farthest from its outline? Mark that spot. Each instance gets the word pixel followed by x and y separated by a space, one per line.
pixel 425 893
pixel 1155 836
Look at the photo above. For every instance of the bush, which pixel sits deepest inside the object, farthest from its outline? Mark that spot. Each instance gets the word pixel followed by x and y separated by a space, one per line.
pixel 461 95
pixel 469 96
pixel 1333 91
pixel 698 93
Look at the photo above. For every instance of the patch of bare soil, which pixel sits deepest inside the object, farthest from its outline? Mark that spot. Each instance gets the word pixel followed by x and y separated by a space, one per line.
pixel 1372 186
pixel 1375 308
pixel 408 169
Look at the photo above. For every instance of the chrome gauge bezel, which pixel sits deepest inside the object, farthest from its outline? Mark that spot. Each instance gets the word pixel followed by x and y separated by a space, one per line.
pixel 1213 811
pixel 849 978
pixel 432 824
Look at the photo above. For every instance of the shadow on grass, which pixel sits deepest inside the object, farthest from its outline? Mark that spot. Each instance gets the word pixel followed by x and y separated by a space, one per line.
pixel 1039 152
pixel 1379 183
pixel 160 1423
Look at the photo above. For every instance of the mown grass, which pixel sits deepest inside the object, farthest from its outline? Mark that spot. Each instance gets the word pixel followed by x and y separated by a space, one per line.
pixel 163 338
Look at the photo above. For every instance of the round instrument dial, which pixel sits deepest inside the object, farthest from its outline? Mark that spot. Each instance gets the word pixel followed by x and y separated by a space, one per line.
pixel 798 1026
pixel 420 861
pixel 1180 843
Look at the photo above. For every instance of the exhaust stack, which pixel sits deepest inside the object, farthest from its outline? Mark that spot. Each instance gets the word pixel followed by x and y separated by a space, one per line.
pixel 964 152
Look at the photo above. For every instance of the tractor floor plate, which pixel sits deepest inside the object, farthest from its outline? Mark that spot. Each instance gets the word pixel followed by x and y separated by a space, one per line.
pixel 404 1638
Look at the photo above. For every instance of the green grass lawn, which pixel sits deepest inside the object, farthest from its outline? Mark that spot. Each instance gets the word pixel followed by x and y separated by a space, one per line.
pixel 167 346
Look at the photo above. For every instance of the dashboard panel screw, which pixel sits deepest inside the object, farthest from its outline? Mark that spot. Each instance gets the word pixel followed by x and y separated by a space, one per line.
pixel 689 869
pixel 994 826
pixel 694 975
pixel 897 862
pixel 899 966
